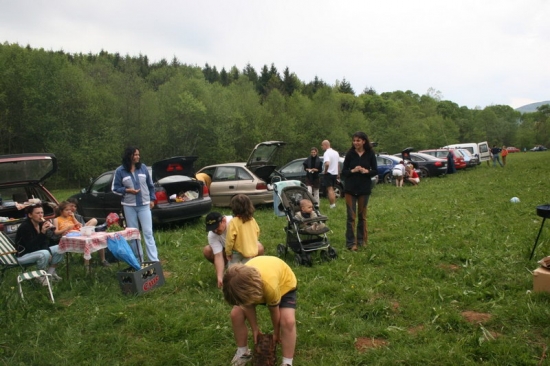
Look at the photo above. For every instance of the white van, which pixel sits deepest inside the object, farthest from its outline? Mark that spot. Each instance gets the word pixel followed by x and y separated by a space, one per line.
pixel 480 149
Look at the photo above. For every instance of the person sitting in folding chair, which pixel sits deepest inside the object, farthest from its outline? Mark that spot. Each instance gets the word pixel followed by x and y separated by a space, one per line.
pixel 33 243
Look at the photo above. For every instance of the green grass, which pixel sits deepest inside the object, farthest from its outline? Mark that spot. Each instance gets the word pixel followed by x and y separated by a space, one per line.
pixel 451 245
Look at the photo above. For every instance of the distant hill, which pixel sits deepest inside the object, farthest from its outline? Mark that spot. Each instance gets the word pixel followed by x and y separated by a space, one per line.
pixel 529 108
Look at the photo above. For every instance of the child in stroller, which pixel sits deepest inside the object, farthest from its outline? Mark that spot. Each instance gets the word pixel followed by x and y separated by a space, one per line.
pixel 300 238
pixel 306 212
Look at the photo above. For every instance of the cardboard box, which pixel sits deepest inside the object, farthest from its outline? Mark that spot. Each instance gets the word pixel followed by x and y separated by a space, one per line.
pixel 541 280
pixel 149 277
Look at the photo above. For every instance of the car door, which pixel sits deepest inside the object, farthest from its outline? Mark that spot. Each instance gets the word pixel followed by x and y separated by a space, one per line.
pixel 228 181
pixel 98 200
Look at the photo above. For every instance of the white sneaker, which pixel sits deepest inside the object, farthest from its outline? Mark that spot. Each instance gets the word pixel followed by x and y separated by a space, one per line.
pixel 55 277
pixel 241 360
pixel 333 205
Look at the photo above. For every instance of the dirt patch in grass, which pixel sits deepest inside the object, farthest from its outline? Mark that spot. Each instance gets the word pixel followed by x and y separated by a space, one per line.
pixel 167 274
pixel 395 305
pixel 475 317
pixel 415 330
pixel 363 344
pixel 449 267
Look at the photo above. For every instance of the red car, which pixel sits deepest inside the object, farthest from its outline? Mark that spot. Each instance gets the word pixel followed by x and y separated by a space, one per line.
pixel 459 161
pixel 512 149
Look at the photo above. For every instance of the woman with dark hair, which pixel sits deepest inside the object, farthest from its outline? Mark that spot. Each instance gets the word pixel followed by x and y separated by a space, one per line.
pixel 358 169
pixel 33 243
pixel 313 166
pixel 133 182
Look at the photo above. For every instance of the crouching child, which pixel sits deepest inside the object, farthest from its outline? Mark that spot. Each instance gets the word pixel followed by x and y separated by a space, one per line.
pixel 263 280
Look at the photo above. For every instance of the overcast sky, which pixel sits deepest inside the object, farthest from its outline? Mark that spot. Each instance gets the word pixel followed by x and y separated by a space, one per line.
pixel 475 52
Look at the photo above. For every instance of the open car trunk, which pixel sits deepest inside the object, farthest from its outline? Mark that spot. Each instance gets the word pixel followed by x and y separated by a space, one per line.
pixel 174 177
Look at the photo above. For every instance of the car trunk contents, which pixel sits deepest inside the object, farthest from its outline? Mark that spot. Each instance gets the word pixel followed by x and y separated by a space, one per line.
pixel 178 191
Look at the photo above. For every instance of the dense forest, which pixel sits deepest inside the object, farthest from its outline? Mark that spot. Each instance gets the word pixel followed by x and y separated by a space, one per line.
pixel 87 108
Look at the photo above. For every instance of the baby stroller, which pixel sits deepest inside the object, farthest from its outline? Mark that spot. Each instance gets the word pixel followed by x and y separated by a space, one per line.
pixel 286 200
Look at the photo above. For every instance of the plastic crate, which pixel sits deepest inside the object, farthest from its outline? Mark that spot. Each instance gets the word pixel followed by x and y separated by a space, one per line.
pixel 149 277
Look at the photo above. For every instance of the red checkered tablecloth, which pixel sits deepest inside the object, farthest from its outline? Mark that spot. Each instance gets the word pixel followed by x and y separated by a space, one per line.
pixel 93 243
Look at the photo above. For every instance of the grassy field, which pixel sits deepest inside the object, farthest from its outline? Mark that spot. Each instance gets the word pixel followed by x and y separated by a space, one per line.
pixel 445 280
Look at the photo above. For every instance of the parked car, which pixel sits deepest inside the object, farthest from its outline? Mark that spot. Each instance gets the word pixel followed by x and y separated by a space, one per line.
pixel 385 166
pixel 427 165
pixel 538 148
pixel 479 149
pixel 171 177
pixel 22 178
pixel 248 178
pixel 458 157
pixel 471 160
pixel 512 149
pixel 294 170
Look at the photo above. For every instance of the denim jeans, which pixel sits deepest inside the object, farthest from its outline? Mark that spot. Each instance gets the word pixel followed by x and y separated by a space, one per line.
pixel 41 258
pixel 356 207
pixel 137 216
pixel 496 158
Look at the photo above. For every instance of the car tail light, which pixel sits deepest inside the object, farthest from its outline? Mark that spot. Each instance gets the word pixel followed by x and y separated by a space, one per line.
pixel 161 197
pixel 205 192
pixel 438 163
pixel 261 186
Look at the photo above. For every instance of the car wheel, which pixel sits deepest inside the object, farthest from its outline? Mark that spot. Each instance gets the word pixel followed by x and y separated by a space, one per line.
pixel 424 173
pixel 387 178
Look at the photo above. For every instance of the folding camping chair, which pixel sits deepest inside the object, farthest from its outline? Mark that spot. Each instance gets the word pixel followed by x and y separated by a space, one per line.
pixel 9 260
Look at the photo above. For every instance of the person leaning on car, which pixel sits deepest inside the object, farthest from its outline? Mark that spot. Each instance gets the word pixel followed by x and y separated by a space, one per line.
pixel 214 252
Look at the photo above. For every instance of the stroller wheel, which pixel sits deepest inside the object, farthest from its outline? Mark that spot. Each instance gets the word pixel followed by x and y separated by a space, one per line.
pixel 298 260
pixel 332 253
pixel 324 255
pixel 307 260
pixel 281 250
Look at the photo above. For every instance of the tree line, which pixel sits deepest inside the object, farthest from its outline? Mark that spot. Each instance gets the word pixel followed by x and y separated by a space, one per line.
pixel 86 108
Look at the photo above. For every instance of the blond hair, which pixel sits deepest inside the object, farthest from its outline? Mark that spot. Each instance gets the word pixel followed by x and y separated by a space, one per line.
pixel 242 285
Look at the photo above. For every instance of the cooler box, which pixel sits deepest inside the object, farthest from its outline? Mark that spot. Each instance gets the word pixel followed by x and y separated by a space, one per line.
pixel 149 277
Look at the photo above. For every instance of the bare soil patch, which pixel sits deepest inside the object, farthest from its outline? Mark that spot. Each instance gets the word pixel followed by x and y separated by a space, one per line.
pixel 475 317
pixel 449 267
pixel 363 344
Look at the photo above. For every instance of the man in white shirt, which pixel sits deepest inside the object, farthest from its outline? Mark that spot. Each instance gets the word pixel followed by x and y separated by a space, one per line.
pixel 331 170
pixel 214 252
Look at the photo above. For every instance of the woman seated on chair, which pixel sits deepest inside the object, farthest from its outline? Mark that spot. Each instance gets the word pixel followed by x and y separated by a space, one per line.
pixel 33 244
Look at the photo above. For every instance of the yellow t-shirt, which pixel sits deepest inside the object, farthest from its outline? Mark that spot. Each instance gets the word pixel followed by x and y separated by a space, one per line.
pixel 277 277
pixel 242 237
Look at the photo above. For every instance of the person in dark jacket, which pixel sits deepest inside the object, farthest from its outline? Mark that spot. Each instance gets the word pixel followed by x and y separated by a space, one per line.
pixel 32 242
pixel 358 169
pixel 313 166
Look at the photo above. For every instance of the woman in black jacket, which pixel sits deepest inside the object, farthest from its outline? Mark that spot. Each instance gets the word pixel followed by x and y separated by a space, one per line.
pixel 359 167
pixel 313 166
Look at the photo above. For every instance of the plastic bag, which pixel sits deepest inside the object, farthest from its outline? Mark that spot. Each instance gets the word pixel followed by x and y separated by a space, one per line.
pixel 122 251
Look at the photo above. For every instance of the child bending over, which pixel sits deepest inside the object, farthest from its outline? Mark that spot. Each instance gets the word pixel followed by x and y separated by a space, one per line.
pixel 243 232
pixel 268 281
